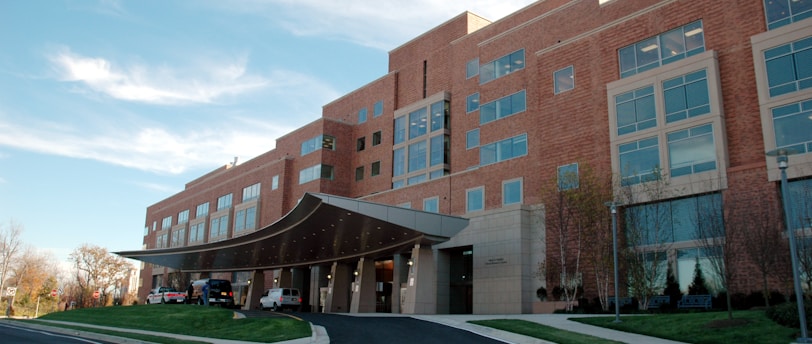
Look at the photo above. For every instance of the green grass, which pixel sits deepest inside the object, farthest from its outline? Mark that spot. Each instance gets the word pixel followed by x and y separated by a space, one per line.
pixel 529 328
pixel 192 320
pixel 702 327
pixel 141 337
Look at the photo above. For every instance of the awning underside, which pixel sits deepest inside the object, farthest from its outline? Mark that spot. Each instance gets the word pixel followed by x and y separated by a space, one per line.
pixel 322 228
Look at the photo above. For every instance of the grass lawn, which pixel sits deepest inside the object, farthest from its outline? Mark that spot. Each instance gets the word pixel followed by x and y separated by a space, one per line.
pixel 193 320
pixel 703 327
pixel 543 332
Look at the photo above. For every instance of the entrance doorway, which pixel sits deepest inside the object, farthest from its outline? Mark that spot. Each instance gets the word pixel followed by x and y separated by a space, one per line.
pixel 461 281
pixel 383 285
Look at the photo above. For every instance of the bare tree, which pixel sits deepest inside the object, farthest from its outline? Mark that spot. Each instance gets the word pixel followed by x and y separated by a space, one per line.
pixel 592 215
pixel 717 240
pixel 97 269
pixel 760 231
pixel 648 236
pixel 560 213
pixel 800 208
pixel 10 244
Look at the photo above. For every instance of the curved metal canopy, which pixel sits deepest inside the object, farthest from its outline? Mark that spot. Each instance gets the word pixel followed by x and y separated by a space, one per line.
pixel 321 228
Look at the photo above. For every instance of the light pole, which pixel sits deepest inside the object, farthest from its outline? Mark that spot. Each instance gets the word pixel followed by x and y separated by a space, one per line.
pixel 613 207
pixel 782 157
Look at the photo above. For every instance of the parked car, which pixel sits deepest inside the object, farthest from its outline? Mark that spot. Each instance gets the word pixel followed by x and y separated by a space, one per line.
pixel 165 295
pixel 281 298
pixel 219 292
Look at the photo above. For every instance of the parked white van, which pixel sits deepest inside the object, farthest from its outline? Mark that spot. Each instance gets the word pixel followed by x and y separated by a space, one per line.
pixel 281 298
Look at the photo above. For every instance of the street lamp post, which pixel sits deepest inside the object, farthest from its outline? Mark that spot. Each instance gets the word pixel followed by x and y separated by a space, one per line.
pixel 613 207
pixel 782 157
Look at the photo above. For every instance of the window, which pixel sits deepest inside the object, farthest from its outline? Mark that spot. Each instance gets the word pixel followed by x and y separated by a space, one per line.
pixel 635 110
pixel 513 147
pixel 472 102
pixel 202 210
pixel 800 195
pixel 431 205
pixel 662 49
pixel 438 173
pixel 183 216
pixel 789 66
pixel 166 222
pixel 563 80
pixel 359 173
pixel 196 232
pixel 472 68
pixel 686 96
pixel 502 107
pixel 439 115
pixel 568 178
pixel 784 12
pixel 673 220
pixel 377 109
pixel 178 238
pixel 250 192
pixel 397 184
pixel 474 199
pixel 275 182
pixel 416 179
pixel 502 66
pixel 161 241
pixel 417 123
pixel 224 202
pixel 375 168
pixel 219 227
pixel 639 161
pixel 362 115
pixel 793 127
pixel 376 138
pixel 316 172
pixel 440 146
pixel 400 129
pixel 472 139
pixel 245 219
pixel 360 144
pixel 691 151
pixel 318 142
pixel 512 192
pixel 417 156
pixel 398 162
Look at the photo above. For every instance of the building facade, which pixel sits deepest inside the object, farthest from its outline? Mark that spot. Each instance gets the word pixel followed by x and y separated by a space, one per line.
pixel 476 118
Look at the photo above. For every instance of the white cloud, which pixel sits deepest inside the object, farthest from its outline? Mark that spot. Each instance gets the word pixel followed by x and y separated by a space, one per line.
pixel 206 83
pixel 380 24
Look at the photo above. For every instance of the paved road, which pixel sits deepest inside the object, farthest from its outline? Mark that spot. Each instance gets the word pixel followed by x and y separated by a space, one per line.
pixel 344 329
pixel 16 334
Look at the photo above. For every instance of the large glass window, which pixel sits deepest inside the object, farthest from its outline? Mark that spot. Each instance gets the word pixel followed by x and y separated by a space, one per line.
pixel 472 68
pixel 686 96
pixel 784 12
pixel 472 102
pixel 789 67
pixel 563 80
pixel 224 202
pixel 800 195
pixel 250 192
pixel 400 129
pixel 662 49
pixel 219 227
pixel 673 220
pixel 245 219
pixel 398 162
pixel 639 161
pixel 439 115
pixel 178 238
pixel 202 210
pixel 417 123
pixel 417 156
pixel 318 142
pixel 502 66
pixel 513 147
pixel 635 110
pixel 793 127
pixel 166 222
pixel 512 192
pixel 437 147
pixel 183 216
pixel 196 232
pixel 502 107
pixel 472 139
pixel 691 151
pixel 316 172
pixel 568 177
pixel 475 199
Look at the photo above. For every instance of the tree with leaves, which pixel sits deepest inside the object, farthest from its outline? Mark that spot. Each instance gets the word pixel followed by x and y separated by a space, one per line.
pixel 97 269
pixel 698 286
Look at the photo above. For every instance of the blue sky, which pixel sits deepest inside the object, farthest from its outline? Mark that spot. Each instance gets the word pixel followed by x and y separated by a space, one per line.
pixel 107 107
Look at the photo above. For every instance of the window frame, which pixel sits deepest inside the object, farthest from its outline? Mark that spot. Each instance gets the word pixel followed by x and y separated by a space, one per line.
pixel 566 72
pixel 480 190
pixel 510 182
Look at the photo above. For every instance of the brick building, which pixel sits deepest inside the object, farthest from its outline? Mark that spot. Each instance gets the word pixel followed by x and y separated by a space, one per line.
pixel 474 119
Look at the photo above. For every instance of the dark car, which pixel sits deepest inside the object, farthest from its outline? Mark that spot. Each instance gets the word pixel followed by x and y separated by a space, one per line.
pixel 219 292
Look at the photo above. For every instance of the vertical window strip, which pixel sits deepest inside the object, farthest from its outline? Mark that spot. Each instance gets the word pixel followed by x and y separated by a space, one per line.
pixel 792 126
pixel 789 67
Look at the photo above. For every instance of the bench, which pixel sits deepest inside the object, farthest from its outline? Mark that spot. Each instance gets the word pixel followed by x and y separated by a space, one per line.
pixel 624 301
pixel 694 301
pixel 656 301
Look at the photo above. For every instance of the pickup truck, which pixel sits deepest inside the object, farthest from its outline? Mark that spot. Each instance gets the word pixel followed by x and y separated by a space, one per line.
pixel 166 295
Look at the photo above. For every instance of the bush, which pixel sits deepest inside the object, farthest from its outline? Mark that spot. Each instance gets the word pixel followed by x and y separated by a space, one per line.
pixel 786 314
pixel 541 293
